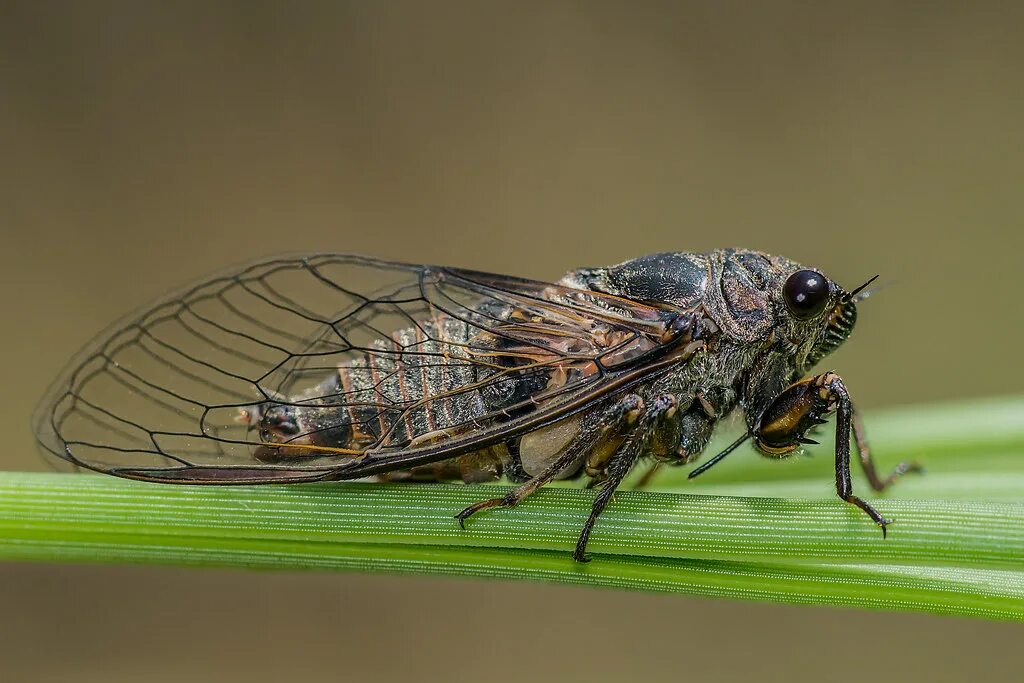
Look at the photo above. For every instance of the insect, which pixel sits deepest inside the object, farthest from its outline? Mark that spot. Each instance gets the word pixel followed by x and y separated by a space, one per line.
pixel 336 367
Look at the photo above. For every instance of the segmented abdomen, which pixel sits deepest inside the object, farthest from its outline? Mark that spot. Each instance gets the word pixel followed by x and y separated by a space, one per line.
pixel 422 383
pixel 418 384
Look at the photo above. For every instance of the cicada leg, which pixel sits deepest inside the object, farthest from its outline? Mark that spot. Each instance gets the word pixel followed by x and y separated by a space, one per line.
pixel 868 465
pixel 683 442
pixel 624 412
pixel 516 495
pixel 618 466
pixel 621 436
pixel 803 405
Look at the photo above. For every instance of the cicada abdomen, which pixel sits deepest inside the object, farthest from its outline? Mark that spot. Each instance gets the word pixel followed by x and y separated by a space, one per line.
pixel 419 385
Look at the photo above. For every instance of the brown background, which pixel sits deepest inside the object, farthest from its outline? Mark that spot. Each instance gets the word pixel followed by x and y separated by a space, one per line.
pixel 145 145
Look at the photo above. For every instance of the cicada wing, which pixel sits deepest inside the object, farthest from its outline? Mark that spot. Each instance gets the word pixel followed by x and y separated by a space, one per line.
pixel 333 365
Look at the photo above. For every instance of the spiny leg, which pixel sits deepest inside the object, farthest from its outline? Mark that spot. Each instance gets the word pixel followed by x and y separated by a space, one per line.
pixel 802 406
pixel 624 412
pixel 621 462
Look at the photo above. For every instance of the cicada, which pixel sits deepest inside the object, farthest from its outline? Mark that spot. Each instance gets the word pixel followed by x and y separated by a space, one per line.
pixel 326 367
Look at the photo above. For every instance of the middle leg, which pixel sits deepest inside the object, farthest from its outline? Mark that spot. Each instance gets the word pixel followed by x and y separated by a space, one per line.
pixel 606 428
pixel 654 419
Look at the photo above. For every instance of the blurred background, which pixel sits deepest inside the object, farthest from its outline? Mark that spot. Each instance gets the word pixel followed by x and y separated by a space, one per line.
pixel 147 144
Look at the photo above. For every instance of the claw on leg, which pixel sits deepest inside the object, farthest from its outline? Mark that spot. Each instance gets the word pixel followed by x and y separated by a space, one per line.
pixel 804 405
pixel 882 522
pixel 507 501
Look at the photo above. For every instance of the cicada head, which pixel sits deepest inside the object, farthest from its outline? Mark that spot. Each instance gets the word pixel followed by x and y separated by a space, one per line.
pixel 825 310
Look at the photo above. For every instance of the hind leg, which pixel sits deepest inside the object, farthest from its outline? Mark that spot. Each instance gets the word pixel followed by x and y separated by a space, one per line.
pixel 606 427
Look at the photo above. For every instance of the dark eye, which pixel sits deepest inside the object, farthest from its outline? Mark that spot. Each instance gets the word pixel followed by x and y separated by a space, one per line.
pixel 806 293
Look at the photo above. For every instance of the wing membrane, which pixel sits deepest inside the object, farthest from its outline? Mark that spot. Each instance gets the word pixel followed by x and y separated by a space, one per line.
pixel 339 366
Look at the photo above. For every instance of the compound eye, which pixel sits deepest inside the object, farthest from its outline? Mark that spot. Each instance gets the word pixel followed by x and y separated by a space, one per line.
pixel 806 292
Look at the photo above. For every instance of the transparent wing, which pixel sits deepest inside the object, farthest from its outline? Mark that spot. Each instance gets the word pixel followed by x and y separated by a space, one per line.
pixel 339 366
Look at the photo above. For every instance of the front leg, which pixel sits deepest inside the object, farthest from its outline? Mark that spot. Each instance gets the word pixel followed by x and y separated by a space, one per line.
pixel 804 405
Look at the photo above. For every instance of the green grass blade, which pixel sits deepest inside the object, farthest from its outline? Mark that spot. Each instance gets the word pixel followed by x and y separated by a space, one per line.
pixel 977 534
pixel 957 546
pixel 976 593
